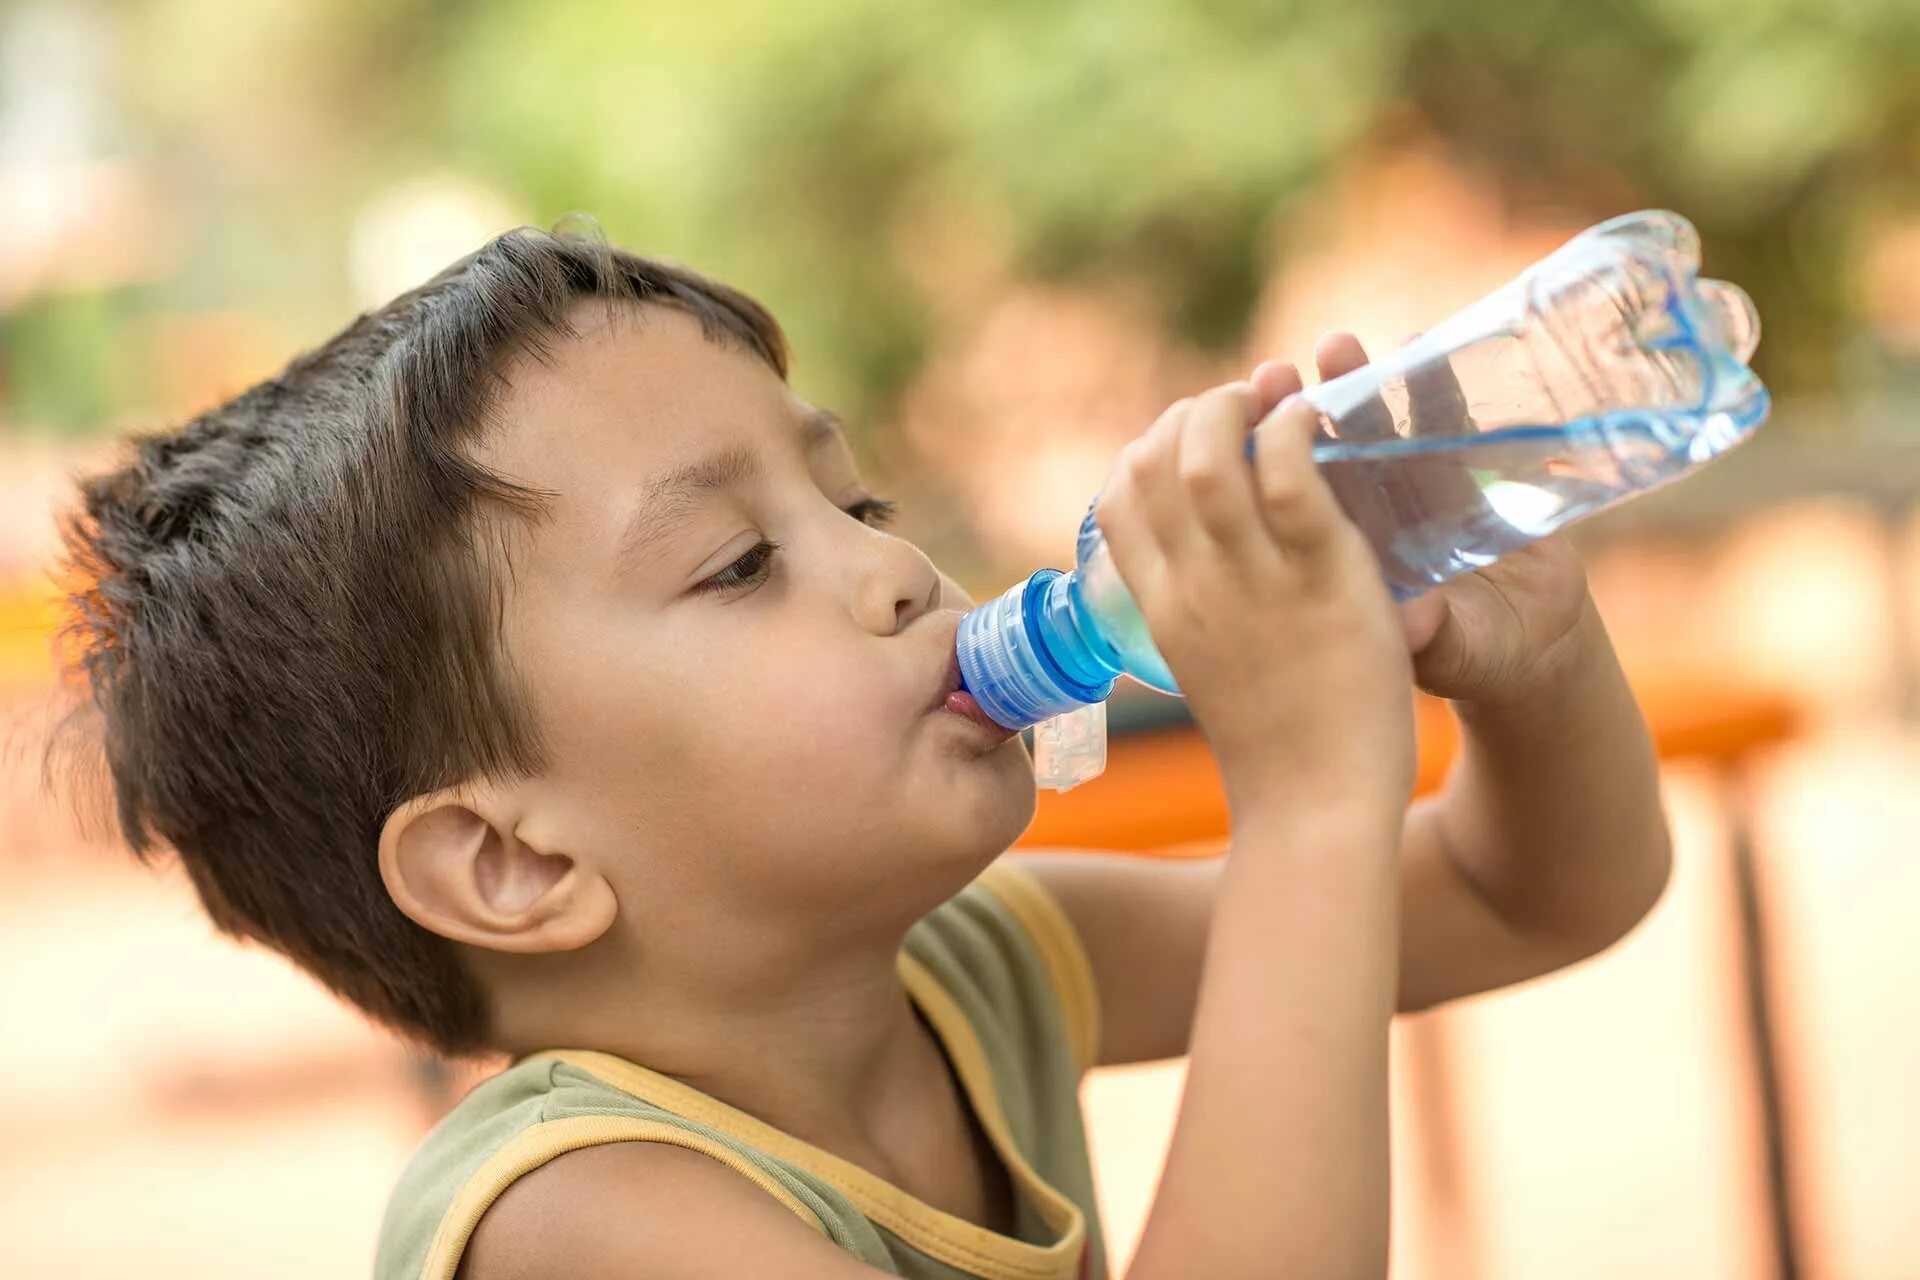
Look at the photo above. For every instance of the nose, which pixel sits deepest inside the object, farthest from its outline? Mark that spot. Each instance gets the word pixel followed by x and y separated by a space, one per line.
pixel 897 584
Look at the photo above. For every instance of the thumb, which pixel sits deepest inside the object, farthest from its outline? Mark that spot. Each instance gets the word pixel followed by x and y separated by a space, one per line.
pixel 1273 381
pixel 1423 618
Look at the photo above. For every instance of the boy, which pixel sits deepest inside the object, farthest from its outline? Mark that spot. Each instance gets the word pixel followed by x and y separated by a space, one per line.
pixel 529 664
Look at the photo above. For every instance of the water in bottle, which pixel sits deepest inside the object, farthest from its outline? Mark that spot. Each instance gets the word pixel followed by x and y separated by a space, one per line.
pixel 1605 370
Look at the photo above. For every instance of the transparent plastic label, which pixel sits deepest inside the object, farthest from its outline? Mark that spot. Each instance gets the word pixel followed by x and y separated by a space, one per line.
pixel 1070 749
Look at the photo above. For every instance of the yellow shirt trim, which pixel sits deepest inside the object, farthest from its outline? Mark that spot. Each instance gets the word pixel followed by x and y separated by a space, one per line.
pixel 535 1146
pixel 1034 906
pixel 936 1233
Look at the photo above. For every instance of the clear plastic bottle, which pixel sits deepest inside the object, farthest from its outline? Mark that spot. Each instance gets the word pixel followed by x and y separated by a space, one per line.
pixel 1604 370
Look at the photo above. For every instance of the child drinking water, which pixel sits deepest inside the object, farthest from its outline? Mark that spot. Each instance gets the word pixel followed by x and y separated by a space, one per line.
pixel 534 667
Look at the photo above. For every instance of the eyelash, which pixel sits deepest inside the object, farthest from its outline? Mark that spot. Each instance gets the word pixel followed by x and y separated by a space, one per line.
pixel 878 512
pixel 757 563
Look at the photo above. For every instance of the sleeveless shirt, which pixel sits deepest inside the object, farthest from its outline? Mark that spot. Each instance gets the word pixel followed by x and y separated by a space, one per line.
pixel 998 973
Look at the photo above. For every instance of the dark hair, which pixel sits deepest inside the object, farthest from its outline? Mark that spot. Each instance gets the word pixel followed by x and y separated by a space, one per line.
pixel 283 622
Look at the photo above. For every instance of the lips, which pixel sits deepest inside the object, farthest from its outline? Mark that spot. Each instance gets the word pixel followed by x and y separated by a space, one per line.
pixel 953 699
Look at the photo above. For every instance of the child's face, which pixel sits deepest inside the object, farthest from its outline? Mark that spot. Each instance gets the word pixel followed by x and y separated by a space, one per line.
pixel 771 732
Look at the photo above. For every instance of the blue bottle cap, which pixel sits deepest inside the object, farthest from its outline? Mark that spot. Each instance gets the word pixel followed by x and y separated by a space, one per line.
pixel 1005 663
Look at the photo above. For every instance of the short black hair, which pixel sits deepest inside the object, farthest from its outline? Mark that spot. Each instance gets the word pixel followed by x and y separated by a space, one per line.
pixel 283 623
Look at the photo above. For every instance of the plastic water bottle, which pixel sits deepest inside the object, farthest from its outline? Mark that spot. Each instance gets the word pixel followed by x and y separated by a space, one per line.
pixel 1607 369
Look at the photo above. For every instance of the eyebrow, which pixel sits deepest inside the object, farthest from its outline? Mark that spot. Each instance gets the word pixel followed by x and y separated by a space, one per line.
pixel 819 426
pixel 670 499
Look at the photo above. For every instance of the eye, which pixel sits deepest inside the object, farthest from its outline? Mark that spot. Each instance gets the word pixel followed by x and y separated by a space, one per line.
pixel 877 512
pixel 749 569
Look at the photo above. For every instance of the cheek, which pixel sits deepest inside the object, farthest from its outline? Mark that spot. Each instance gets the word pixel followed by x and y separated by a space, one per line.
pixel 784 715
pixel 673 716
pixel 751 706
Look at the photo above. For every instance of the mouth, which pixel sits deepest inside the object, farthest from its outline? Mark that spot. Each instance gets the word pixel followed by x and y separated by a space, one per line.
pixel 951 698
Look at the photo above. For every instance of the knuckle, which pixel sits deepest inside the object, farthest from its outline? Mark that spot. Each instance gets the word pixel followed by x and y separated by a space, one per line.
pixel 1221 526
pixel 1139 471
pixel 1282 488
pixel 1303 520
pixel 1304 426
pixel 1167 425
pixel 1191 606
pixel 1201 478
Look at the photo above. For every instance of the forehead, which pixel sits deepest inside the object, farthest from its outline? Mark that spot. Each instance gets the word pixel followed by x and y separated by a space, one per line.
pixel 638 389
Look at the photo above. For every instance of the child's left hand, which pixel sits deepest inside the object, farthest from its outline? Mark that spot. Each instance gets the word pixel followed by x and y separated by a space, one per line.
pixel 1494 633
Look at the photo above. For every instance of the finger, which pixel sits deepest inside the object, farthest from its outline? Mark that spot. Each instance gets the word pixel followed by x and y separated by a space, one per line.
pixel 1338 353
pixel 1213 467
pixel 1293 498
pixel 1136 550
pixel 1341 353
pixel 1426 485
pixel 1154 460
pixel 1273 381
pixel 1437 405
pixel 1377 497
pixel 1421 619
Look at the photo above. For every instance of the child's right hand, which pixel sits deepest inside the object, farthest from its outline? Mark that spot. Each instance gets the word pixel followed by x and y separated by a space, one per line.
pixel 1265 600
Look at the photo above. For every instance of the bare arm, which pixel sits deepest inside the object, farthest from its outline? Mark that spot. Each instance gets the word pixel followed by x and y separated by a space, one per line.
pixel 1278 1164
pixel 1547 843
pixel 1268 606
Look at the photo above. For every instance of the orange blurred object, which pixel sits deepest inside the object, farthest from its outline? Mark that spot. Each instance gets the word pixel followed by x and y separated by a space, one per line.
pixel 1161 797
pixel 1161 793
pixel 29 616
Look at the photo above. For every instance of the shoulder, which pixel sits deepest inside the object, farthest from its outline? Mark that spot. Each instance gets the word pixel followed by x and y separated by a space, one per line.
pixel 1142 923
pixel 646 1209
pixel 1003 942
pixel 435 1183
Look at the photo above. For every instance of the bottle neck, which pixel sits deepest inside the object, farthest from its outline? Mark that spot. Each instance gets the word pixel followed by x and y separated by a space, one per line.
pixel 1070 637
pixel 1026 656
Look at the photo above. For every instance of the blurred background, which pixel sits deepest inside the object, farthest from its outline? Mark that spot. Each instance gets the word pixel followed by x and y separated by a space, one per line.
pixel 1002 237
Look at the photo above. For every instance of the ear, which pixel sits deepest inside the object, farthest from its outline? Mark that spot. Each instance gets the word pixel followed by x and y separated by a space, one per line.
pixel 456 865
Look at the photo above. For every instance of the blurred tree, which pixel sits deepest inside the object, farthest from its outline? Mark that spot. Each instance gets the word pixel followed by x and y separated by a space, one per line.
pixel 1780 127
pixel 783 146
pixel 778 142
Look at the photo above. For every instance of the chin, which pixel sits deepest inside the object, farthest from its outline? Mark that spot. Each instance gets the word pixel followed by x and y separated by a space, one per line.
pixel 1001 804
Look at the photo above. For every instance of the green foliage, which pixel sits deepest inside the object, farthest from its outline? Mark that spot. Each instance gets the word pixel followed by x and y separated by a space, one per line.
pixel 779 145
pixel 63 359
pixel 783 145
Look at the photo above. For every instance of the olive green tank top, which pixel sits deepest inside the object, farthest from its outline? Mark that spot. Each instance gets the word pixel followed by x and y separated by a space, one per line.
pixel 999 974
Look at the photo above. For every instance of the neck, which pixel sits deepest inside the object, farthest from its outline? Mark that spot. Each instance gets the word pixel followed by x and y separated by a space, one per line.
pixel 815 1037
